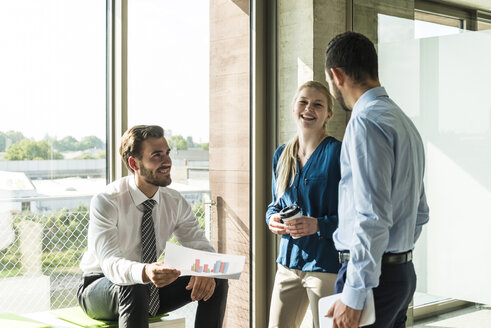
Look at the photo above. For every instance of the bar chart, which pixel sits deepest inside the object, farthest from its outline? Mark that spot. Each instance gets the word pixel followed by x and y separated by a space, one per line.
pixel 218 267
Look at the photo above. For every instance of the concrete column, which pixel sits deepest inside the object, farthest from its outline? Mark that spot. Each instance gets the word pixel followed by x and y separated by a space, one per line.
pixel 305 28
pixel 230 142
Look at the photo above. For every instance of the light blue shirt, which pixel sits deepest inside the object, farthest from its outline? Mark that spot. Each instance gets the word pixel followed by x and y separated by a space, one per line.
pixel 382 203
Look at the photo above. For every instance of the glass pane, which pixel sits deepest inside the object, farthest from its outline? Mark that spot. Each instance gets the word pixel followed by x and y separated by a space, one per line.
pixel 433 92
pixel 52 146
pixel 171 76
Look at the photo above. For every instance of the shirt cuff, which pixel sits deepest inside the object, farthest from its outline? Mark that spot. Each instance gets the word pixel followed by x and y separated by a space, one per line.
pixel 354 298
pixel 137 272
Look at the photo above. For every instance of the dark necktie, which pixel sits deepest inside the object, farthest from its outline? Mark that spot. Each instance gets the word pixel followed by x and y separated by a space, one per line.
pixel 149 251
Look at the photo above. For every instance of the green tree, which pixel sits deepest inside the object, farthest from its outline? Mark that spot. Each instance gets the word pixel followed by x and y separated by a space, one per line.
pixel 205 146
pixel 31 150
pixel 190 141
pixel 66 144
pixel 91 142
pixel 2 141
pixel 178 142
pixel 10 138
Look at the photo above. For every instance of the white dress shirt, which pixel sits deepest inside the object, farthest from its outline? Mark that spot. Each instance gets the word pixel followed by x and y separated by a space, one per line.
pixel 382 202
pixel 114 236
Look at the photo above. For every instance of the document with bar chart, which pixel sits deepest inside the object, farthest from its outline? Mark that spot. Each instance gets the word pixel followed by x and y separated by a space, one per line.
pixel 192 262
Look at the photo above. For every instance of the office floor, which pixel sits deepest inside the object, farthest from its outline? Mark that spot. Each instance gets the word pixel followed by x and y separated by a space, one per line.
pixel 469 317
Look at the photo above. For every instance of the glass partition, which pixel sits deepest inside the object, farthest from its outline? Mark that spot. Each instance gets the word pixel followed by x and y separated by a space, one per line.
pixel 440 76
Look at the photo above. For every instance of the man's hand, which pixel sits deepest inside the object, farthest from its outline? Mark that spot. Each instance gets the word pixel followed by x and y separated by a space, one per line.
pixel 159 275
pixel 343 316
pixel 203 288
pixel 302 226
pixel 276 226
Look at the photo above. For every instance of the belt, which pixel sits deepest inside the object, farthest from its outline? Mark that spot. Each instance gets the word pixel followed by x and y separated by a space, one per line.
pixel 387 258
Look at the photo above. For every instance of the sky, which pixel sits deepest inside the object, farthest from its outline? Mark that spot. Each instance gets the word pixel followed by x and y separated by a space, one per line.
pixel 53 66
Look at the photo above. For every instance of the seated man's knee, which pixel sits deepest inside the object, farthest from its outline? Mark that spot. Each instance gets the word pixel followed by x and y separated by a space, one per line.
pixel 134 298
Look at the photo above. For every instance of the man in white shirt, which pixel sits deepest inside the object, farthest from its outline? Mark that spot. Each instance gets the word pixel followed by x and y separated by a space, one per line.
pixel 119 282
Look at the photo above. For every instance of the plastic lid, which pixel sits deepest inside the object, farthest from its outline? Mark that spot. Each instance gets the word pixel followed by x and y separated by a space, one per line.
pixel 289 211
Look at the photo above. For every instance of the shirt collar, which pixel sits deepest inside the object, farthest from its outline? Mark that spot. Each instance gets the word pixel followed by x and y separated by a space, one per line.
pixel 367 97
pixel 137 195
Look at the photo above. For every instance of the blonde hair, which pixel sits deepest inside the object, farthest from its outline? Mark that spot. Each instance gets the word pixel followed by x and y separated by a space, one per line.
pixel 286 169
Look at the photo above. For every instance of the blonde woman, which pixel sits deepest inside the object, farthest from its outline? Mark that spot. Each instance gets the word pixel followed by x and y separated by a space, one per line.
pixel 306 173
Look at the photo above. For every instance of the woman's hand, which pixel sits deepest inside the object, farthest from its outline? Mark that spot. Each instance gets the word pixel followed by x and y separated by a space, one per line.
pixel 276 226
pixel 302 226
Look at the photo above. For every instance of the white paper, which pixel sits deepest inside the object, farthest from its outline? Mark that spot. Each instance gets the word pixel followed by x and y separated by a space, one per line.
pixel 192 262
pixel 367 315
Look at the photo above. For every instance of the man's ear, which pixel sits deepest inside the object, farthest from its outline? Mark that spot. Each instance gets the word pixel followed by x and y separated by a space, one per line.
pixel 338 76
pixel 133 163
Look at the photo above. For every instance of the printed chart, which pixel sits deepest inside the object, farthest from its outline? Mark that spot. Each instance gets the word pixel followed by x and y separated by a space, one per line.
pixel 192 262
pixel 218 267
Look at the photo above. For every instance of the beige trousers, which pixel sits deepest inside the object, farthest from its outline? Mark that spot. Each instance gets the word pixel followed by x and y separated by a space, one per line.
pixel 293 291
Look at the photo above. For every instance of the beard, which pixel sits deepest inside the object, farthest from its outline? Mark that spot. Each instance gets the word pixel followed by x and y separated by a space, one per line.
pixel 151 177
pixel 339 97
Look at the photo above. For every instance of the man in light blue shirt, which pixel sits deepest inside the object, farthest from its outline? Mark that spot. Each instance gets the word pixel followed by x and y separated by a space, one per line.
pixel 382 203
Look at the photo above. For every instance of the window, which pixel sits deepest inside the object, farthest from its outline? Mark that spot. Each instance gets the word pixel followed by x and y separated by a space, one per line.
pixel 432 94
pixel 52 145
pixel 188 71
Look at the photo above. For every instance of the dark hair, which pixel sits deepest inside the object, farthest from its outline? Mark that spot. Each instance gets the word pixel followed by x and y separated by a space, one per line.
pixel 132 139
pixel 355 54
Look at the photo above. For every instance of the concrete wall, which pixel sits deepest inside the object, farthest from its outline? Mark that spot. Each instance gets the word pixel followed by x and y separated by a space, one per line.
pixel 229 143
pixel 305 28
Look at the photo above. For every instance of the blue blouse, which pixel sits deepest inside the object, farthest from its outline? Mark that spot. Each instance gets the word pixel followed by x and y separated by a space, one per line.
pixel 315 191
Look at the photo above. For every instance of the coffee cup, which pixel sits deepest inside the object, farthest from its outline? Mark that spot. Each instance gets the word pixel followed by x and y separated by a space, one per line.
pixel 290 213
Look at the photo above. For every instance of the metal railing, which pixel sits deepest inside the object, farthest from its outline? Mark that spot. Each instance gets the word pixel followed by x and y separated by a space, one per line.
pixel 40 255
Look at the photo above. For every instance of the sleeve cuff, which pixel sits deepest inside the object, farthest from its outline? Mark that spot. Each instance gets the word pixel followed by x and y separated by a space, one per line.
pixel 354 298
pixel 137 272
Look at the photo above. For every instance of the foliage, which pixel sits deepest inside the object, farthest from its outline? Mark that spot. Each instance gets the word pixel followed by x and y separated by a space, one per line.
pixel 85 156
pixel 31 150
pixel 205 146
pixel 91 142
pixel 64 241
pixel 9 138
pixel 178 143
pixel 69 143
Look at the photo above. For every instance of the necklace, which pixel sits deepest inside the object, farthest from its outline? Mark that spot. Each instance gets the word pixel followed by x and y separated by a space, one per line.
pixel 303 154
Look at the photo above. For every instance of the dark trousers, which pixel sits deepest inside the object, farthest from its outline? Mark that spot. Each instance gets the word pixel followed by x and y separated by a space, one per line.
pixel 392 296
pixel 101 299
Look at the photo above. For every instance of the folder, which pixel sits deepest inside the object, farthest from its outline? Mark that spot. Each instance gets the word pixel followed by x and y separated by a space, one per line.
pixel 367 315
